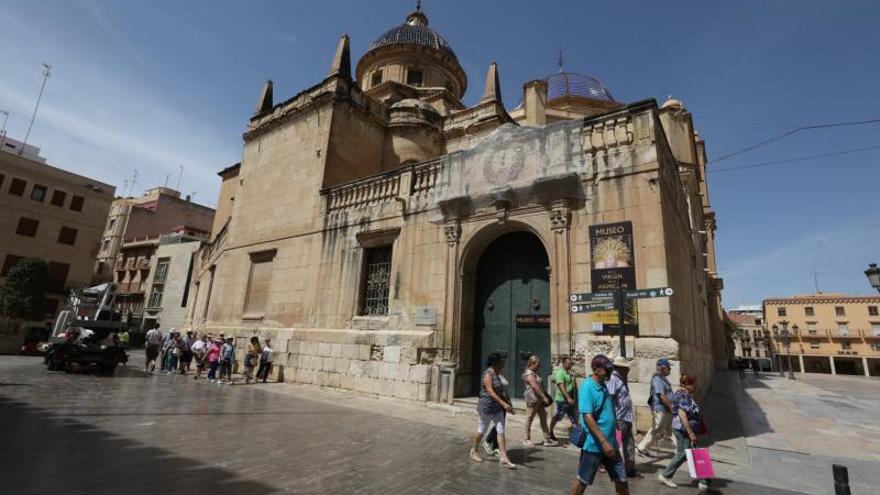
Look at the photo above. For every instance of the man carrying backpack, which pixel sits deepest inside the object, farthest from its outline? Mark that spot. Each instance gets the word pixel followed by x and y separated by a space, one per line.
pixel 597 424
pixel 661 409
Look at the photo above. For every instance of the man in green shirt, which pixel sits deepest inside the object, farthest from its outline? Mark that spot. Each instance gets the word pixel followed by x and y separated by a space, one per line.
pixel 565 395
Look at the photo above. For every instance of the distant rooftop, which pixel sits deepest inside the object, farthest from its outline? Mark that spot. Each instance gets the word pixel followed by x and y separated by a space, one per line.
pixel 17 147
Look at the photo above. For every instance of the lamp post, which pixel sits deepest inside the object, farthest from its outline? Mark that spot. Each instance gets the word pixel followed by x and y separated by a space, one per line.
pixel 873 274
pixel 794 328
pixel 778 353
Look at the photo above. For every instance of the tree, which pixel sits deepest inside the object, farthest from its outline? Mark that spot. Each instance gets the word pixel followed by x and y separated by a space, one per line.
pixel 22 295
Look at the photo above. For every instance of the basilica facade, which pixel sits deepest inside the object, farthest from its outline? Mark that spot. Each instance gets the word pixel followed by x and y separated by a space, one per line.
pixel 387 237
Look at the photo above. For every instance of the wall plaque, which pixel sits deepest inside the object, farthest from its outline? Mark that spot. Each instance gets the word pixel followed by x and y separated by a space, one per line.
pixel 533 321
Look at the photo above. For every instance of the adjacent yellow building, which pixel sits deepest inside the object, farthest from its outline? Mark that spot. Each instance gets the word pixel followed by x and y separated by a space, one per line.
pixel 828 333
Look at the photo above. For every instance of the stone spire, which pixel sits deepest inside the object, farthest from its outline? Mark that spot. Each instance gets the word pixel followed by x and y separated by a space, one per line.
pixel 341 65
pixel 265 102
pixel 492 90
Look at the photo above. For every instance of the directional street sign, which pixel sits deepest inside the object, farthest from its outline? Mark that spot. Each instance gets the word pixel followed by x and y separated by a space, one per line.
pixel 589 307
pixel 588 302
pixel 644 293
pixel 585 297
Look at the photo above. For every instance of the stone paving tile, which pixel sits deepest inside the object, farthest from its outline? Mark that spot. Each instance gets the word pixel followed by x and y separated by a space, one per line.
pixel 169 434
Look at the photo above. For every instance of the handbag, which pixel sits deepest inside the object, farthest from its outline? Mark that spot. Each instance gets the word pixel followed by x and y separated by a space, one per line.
pixel 578 435
pixel 699 463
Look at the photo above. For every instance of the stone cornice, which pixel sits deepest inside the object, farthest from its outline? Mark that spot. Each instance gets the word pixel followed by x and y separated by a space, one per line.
pixel 822 300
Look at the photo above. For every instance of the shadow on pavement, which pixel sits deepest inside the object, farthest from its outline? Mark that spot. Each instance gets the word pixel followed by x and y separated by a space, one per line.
pixel 59 455
pixel 727 403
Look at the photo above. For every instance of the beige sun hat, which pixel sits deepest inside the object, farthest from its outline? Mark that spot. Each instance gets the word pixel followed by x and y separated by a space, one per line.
pixel 621 362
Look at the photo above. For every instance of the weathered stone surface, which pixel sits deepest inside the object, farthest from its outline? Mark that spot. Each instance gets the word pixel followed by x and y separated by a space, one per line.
pixel 392 354
pixel 420 373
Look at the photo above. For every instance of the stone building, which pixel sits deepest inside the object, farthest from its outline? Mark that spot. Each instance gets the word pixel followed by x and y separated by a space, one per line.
pixel 752 342
pixel 388 237
pixel 133 232
pixel 53 214
pixel 169 282
pixel 827 333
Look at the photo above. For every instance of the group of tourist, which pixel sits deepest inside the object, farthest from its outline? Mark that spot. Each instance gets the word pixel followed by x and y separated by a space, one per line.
pixel 601 411
pixel 175 353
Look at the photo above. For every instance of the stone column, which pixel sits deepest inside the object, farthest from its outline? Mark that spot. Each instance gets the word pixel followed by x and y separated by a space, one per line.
pixel 865 366
pixel 452 232
pixel 801 363
pixel 833 369
pixel 560 221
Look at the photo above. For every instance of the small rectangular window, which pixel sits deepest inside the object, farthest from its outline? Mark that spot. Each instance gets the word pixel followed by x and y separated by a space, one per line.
pixel 156 296
pixel 259 280
pixel 839 311
pixel 56 276
pixel 105 246
pixel 875 329
pixel 414 77
pixel 376 281
pixel 111 224
pixel 780 311
pixel 9 262
pixel 16 187
pixel 67 236
pixel 376 78
pixel 38 193
pixel 872 311
pixel 161 270
pixel 58 197
pixel 76 203
pixel 27 227
pixel 808 311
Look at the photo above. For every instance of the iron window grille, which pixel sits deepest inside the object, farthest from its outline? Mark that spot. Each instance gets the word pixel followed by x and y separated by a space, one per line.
pixel 377 281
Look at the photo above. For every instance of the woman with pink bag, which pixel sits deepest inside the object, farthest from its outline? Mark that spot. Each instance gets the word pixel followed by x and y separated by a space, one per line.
pixel 686 423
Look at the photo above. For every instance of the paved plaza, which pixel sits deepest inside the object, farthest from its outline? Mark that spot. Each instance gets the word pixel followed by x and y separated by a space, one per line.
pixel 133 433
pixel 796 429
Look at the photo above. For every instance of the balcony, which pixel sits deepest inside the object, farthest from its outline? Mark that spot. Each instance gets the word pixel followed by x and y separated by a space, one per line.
pixel 130 263
pixel 850 334
pixel 143 263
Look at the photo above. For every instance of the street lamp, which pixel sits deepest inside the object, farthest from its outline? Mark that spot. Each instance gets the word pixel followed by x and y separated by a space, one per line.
pixel 778 354
pixel 873 274
pixel 788 348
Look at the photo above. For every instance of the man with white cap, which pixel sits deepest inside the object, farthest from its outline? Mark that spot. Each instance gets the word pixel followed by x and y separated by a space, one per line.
pixel 661 408
pixel 618 387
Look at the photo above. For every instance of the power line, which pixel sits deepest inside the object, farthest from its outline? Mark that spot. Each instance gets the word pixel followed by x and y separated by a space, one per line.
pixel 744 122
pixel 791 160
pixel 793 131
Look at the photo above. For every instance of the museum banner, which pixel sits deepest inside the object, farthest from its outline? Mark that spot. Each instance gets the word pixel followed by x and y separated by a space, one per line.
pixel 613 266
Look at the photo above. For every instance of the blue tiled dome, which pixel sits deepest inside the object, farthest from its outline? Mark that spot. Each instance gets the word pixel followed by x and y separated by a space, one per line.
pixel 571 84
pixel 414 31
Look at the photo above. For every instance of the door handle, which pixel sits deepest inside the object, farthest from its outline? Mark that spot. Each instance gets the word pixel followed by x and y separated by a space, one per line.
pixel 536 304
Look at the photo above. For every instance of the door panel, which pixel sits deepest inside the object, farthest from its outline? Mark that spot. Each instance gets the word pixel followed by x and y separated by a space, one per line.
pixel 512 280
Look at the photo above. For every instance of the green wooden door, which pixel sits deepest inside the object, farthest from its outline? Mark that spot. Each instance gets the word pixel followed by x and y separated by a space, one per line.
pixel 512 281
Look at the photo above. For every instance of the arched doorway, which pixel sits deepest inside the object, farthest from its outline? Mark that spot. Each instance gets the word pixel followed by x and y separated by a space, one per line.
pixel 512 306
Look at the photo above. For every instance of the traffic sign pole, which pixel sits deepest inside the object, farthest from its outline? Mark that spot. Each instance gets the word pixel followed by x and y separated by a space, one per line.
pixel 620 299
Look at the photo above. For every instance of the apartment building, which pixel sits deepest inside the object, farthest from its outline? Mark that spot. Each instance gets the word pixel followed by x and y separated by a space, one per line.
pixel 52 214
pixel 826 333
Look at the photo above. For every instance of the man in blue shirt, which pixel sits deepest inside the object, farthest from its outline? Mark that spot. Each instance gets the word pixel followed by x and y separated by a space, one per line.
pixel 599 421
pixel 661 408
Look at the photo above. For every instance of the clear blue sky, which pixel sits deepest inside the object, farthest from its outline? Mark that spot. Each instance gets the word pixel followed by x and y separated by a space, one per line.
pixel 150 85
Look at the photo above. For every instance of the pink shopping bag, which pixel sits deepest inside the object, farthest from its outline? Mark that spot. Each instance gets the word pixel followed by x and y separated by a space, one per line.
pixel 619 435
pixel 699 463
